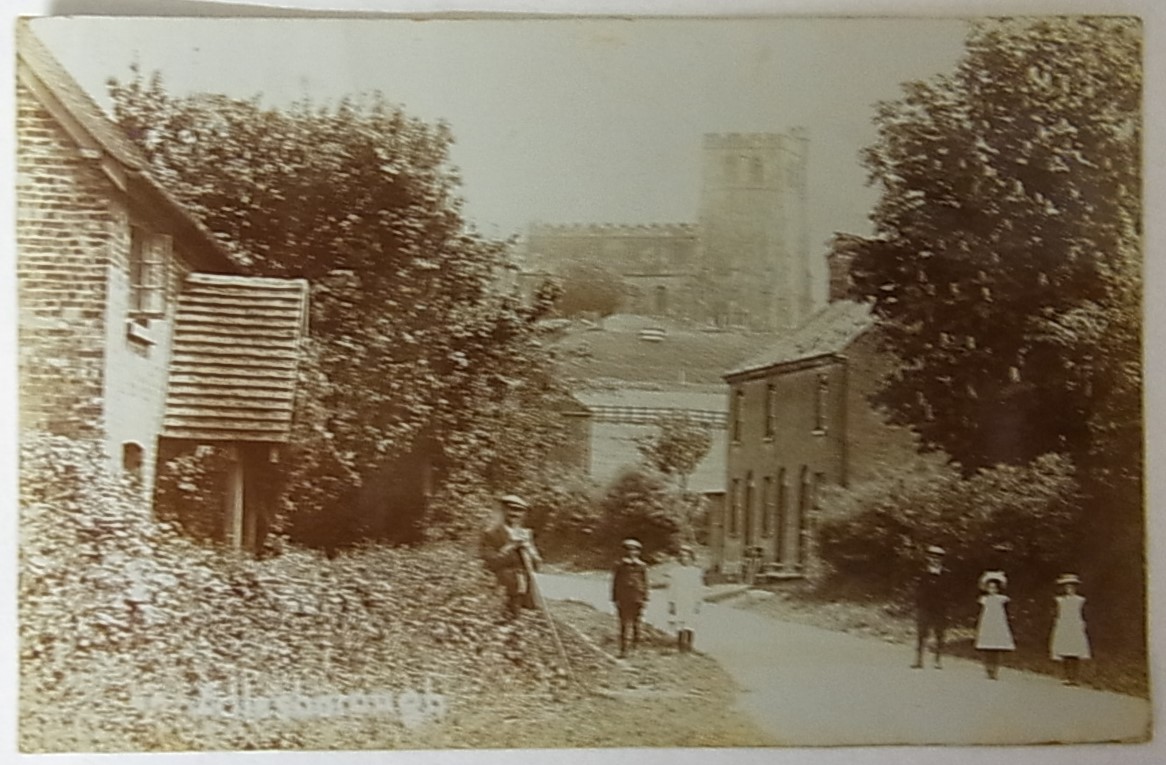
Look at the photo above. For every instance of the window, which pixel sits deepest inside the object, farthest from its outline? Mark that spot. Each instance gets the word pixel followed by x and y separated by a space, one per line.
pixel 770 410
pixel 738 405
pixel 734 505
pixel 747 508
pixel 767 506
pixel 804 489
pixel 820 402
pixel 730 168
pixel 661 299
pixel 779 521
pixel 149 261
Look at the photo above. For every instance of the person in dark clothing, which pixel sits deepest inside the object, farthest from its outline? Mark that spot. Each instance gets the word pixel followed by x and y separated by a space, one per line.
pixel 931 598
pixel 629 592
pixel 508 550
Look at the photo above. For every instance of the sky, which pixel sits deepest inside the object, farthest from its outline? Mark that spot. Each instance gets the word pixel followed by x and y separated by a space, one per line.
pixel 561 120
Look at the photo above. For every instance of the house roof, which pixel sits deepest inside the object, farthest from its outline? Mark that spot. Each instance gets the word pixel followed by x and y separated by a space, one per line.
pixel 828 331
pixel 235 358
pixel 84 120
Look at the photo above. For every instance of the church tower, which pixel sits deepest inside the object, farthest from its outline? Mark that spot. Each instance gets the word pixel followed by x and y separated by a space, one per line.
pixel 755 262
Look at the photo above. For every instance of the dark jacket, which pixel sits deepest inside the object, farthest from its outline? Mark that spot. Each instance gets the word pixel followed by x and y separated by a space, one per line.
pixel 493 540
pixel 933 592
pixel 629 582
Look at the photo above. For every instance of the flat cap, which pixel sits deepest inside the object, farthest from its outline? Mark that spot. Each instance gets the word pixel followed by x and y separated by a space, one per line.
pixel 513 500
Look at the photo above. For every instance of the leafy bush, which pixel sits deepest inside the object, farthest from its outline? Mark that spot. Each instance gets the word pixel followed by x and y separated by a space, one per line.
pixel 116 609
pixel 877 532
pixel 639 504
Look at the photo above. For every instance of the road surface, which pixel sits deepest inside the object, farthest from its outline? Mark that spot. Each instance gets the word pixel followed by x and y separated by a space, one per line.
pixel 809 686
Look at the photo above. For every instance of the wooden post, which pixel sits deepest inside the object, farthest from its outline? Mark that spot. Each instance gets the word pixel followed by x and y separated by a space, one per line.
pixel 234 498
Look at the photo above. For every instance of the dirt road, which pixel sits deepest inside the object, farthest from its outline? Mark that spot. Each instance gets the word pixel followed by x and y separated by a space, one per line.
pixel 809 686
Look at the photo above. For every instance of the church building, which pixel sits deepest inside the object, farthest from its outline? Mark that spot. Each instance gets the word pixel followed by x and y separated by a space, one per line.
pixel 745 263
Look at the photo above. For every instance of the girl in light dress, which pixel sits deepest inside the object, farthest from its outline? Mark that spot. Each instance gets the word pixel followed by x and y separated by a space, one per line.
pixel 993 635
pixel 685 594
pixel 1069 642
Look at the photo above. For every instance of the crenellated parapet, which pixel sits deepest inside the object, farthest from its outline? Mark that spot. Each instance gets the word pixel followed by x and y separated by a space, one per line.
pixel 752 141
pixel 615 230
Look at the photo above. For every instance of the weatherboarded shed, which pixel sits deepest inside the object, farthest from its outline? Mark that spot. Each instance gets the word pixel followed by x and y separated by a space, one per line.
pixel 232 383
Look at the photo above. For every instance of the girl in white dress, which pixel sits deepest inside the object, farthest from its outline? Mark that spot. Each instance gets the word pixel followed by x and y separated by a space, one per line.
pixel 685 594
pixel 993 635
pixel 1069 643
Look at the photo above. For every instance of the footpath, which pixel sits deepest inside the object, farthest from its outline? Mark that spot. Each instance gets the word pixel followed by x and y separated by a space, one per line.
pixel 808 686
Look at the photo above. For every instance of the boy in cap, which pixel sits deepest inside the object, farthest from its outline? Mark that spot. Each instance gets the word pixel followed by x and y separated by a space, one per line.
pixel 931 606
pixel 629 592
pixel 508 550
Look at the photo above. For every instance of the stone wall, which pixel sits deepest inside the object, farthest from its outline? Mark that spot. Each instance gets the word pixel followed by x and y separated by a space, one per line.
pixel 753 229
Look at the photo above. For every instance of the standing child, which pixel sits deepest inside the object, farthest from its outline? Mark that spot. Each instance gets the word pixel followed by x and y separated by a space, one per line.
pixel 993 635
pixel 1069 643
pixel 629 592
pixel 685 593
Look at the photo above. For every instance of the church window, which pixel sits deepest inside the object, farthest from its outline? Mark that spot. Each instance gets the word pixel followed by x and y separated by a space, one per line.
pixel 730 168
pixel 756 171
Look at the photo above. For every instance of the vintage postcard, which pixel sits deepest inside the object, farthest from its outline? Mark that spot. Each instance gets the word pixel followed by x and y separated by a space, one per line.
pixel 389 384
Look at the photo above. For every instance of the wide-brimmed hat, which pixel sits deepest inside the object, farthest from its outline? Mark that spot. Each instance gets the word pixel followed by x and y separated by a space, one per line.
pixel 936 550
pixel 632 544
pixel 993 576
pixel 513 500
pixel 1068 579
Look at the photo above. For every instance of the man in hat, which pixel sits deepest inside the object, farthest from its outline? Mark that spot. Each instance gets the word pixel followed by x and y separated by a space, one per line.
pixel 629 591
pixel 508 550
pixel 931 596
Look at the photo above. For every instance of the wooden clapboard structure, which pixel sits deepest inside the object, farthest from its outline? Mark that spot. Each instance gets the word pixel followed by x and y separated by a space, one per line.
pixel 232 384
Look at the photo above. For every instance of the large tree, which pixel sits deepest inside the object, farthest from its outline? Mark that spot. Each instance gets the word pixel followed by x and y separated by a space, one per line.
pixel 1005 269
pixel 415 350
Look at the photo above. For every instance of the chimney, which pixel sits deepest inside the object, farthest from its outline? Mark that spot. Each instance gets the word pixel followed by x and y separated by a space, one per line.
pixel 843 249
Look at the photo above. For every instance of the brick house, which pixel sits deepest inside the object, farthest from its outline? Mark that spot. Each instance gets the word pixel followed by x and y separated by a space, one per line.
pixel 135 325
pixel 800 418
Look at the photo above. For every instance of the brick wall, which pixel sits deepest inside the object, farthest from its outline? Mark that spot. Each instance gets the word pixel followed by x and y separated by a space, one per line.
pixel 63 238
pixel 81 372
pixel 801 453
pixel 874 443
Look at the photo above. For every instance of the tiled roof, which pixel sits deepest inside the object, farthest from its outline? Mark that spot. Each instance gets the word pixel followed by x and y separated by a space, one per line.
pixel 73 97
pixel 47 72
pixel 829 330
pixel 235 358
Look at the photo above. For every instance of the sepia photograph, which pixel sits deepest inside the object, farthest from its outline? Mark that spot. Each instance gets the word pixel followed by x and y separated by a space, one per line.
pixel 579 383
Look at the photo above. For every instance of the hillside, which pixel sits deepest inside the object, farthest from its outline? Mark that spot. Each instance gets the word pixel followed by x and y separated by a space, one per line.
pixel 686 355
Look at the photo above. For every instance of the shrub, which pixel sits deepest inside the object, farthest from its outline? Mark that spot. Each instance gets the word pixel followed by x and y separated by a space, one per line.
pixel 639 504
pixel 878 531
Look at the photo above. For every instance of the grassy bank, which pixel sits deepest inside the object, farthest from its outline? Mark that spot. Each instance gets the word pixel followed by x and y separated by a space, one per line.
pixel 654 699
